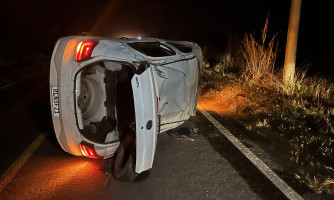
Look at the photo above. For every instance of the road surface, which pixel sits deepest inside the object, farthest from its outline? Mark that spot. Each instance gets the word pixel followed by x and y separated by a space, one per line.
pixel 203 165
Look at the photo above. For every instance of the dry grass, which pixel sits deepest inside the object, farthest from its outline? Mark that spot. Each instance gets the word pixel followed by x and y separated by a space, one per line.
pixel 317 88
pixel 301 115
pixel 259 58
pixel 259 65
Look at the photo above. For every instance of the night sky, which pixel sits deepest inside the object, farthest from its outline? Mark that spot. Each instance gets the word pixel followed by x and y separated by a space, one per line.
pixel 31 28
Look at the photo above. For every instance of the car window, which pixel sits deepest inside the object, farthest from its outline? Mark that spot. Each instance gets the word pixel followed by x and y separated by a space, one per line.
pixel 153 49
pixel 181 47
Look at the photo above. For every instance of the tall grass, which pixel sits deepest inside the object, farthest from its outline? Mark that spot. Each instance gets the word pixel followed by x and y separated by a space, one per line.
pixel 259 58
pixel 259 69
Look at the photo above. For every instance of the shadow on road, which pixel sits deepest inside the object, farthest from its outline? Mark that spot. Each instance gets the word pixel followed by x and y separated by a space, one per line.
pixel 276 153
pixel 255 179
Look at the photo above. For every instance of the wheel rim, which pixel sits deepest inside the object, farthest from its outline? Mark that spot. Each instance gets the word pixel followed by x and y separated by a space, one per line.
pixel 90 99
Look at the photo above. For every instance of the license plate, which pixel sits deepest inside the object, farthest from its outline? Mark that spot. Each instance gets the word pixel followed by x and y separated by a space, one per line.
pixel 55 101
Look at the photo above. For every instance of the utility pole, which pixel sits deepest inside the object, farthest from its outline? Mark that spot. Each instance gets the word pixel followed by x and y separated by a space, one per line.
pixel 291 43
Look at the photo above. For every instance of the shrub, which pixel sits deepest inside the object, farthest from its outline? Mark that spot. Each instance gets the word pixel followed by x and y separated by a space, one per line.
pixel 259 58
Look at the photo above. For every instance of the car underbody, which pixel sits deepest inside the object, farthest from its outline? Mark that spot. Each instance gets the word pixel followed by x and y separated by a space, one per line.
pixel 105 102
pixel 111 97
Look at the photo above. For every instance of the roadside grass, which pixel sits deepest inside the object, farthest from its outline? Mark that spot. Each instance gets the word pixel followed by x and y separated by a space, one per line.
pixel 259 59
pixel 300 116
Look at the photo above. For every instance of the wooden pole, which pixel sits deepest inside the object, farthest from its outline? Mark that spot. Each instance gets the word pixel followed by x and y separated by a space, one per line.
pixel 291 43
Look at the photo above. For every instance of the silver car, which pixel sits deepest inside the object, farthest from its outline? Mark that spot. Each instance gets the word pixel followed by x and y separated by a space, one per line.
pixel 111 97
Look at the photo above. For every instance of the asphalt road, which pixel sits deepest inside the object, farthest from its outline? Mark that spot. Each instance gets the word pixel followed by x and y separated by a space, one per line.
pixel 203 166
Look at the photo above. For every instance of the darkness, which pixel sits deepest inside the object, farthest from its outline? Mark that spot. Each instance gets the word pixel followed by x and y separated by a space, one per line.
pixel 31 28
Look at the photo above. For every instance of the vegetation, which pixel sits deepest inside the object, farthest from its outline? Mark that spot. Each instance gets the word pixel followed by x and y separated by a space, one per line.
pixel 299 116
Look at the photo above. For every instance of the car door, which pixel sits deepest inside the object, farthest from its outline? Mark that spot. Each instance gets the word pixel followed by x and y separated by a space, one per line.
pixel 146 113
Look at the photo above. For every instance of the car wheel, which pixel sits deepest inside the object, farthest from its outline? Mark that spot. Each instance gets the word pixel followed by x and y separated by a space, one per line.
pixel 125 159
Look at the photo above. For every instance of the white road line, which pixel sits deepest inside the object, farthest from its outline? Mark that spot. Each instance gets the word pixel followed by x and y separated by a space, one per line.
pixel 6 86
pixel 10 84
pixel 20 161
pixel 272 176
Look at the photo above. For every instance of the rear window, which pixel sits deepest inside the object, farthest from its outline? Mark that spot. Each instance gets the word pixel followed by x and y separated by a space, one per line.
pixel 181 47
pixel 153 49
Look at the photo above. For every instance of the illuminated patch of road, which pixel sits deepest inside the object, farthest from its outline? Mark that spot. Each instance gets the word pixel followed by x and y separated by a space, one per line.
pixel 272 176
pixel 20 161
pixel 56 177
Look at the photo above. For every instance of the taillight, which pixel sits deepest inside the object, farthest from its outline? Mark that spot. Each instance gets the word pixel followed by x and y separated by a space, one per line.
pixel 89 152
pixel 85 49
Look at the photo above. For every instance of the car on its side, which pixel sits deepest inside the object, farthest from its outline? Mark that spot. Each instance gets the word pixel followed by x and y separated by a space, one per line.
pixel 111 97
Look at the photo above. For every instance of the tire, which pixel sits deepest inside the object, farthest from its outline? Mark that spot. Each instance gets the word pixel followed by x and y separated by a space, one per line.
pixel 125 159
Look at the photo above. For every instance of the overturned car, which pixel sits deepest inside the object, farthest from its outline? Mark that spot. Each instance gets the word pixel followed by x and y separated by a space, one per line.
pixel 111 97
